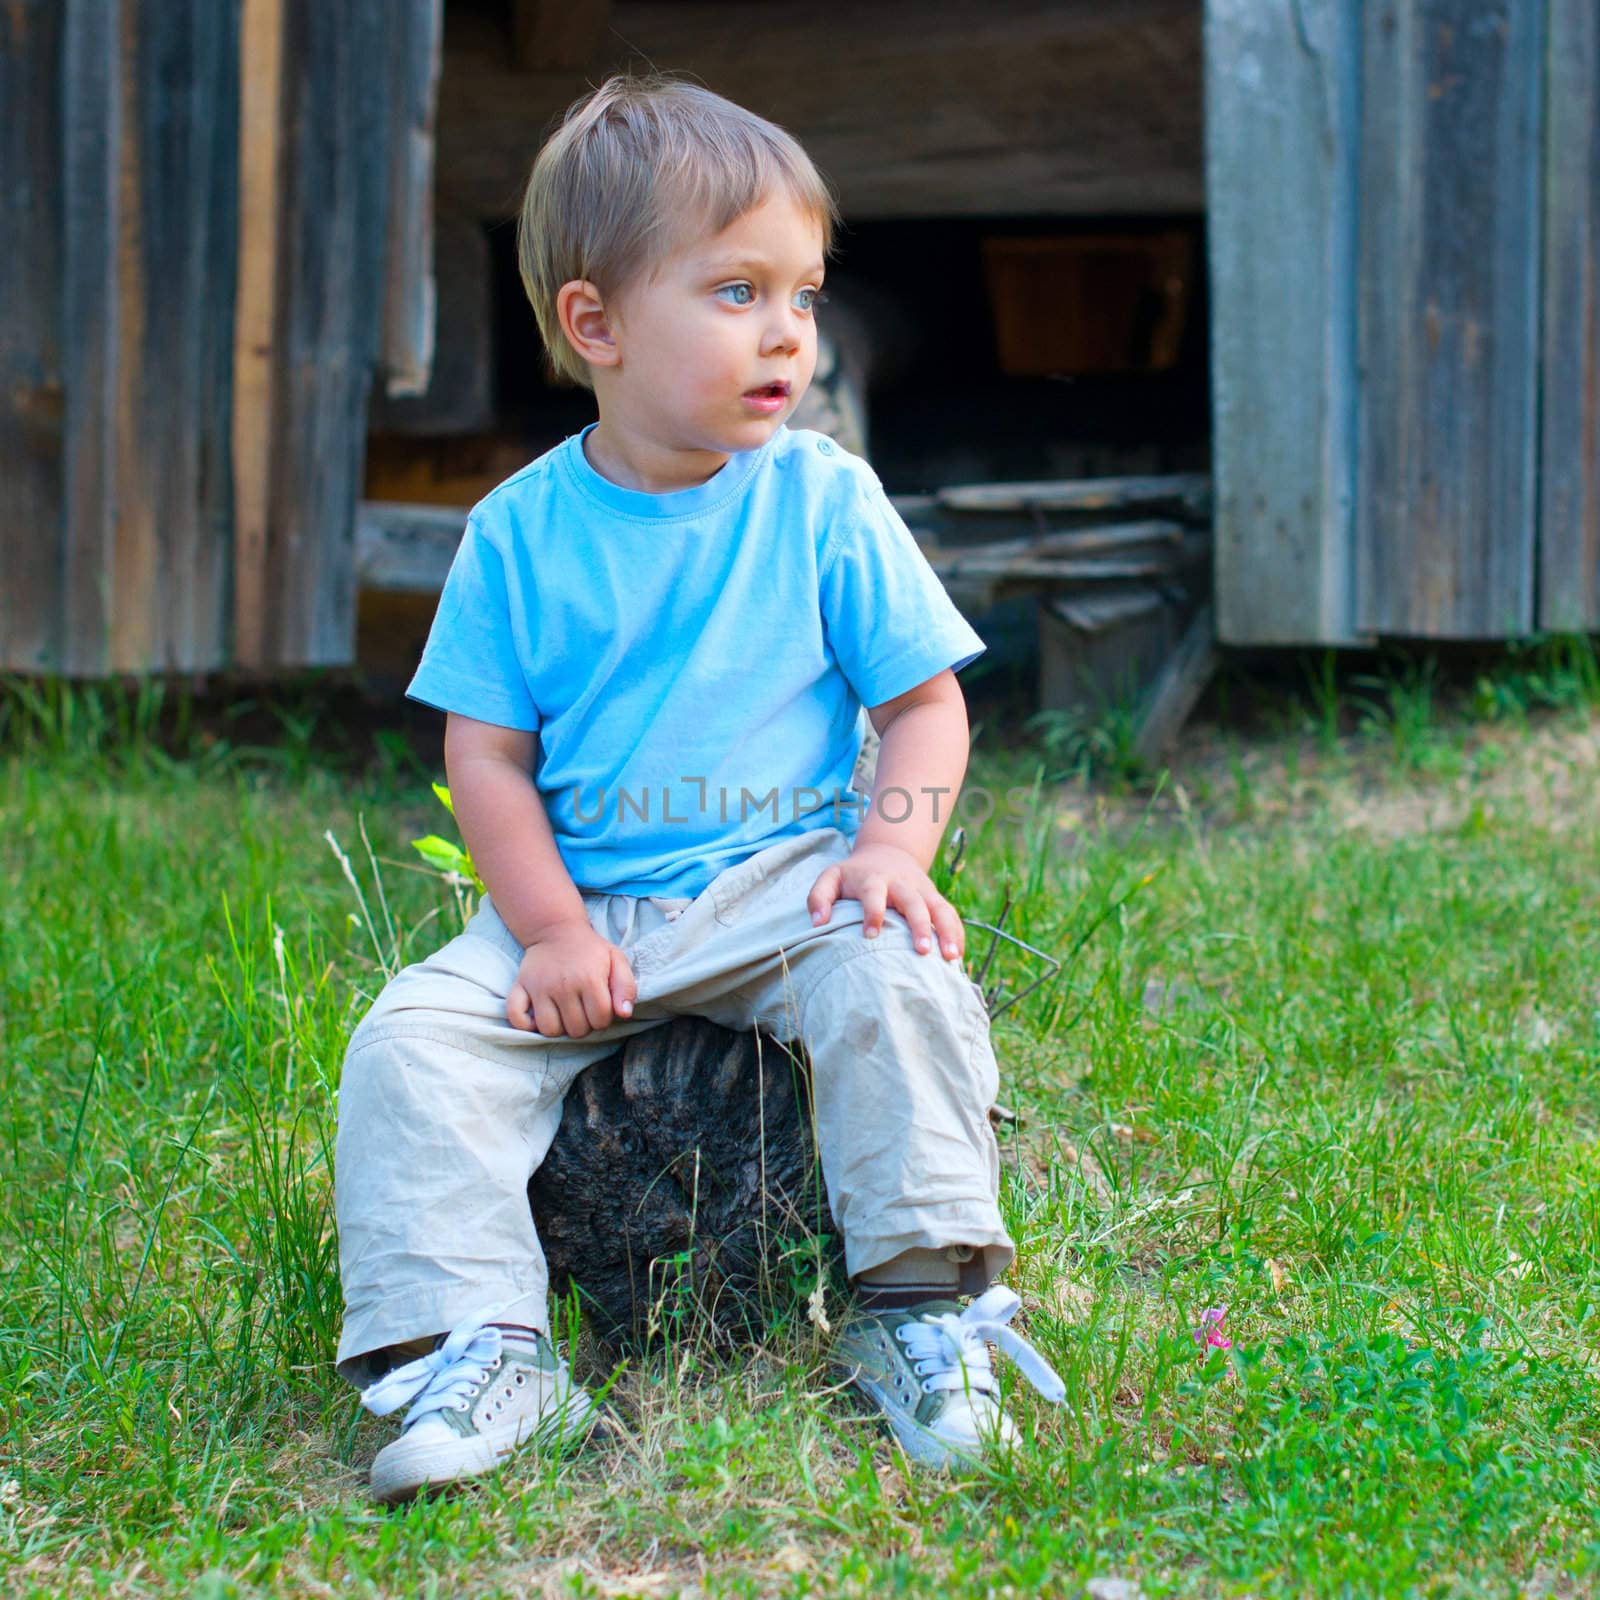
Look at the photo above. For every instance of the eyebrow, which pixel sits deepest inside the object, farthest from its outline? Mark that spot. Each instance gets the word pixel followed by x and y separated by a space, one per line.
pixel 721 264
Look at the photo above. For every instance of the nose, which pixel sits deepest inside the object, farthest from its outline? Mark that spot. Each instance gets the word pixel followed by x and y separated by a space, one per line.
pixel 783 332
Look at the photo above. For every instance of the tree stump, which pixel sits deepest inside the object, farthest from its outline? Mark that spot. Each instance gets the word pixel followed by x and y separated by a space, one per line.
pixel 683 1179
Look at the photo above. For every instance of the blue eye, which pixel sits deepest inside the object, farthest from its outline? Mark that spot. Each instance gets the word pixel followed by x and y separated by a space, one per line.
pixel 809 299
pixel 736 294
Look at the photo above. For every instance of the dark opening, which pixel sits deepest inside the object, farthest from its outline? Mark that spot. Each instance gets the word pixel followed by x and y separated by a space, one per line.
pixel 932 297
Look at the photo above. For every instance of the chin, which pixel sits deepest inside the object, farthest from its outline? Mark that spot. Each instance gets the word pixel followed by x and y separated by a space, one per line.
pixel 750 435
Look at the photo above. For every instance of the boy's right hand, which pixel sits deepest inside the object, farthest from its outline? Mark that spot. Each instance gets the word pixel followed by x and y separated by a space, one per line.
pixel 570 983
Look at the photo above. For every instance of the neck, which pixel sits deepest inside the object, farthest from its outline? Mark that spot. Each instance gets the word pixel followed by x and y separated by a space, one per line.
pixel 634 463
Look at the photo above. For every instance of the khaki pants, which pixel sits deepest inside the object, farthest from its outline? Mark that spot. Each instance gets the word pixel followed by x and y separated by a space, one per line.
pixel 446 1110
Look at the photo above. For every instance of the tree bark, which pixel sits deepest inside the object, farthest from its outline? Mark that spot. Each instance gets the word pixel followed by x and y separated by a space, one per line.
pixel 684 1180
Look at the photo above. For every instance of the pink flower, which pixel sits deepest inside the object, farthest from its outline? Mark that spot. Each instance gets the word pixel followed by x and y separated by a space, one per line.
pixel 1210 1333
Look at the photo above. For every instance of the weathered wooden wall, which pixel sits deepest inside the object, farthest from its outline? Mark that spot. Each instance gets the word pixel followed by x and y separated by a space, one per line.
pixel 181 440
pixel 1569 519
pixel 32 377
pixel 317 225
pixel 117 326
pixel 1281 170
pixel 1449 317
pixel 1383 186
pixel 912 107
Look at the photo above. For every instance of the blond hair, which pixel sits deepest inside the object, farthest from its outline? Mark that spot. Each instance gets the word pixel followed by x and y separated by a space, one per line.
pixel 635 169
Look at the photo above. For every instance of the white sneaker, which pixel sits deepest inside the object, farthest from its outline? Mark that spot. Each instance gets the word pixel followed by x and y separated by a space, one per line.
pixel 927 1369
pixel 475 1399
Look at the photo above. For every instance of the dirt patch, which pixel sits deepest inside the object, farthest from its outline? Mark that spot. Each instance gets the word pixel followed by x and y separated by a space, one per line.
pixel 1546 775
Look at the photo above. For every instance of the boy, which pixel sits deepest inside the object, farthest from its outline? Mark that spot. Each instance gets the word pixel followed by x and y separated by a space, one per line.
pixel 653 649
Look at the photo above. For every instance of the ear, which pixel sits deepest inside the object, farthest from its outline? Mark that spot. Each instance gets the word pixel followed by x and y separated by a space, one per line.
pixel 585 323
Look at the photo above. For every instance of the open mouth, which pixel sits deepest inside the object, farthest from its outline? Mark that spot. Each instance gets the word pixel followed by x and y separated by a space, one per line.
pixel 768 391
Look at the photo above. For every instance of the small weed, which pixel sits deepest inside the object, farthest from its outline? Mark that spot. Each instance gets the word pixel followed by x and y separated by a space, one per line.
pixel 1400 710
pixel 1560 673
pixel 1089 745
pixel 1327 700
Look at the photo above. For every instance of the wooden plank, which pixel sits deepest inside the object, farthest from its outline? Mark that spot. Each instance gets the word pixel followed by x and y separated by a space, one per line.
pixel 406 549
pixel 1449 256
pixel 1282 86
pixel 1191 491
pixel 333 183
pixel 337 109
pixel 1101 611
pixel 1098 650
pixel 1176 692
pixel 31 356
pixel 408 280
pixel 92 84
pixel 1049 107
pixel 459 392
pixel 143 263
pixel 979 563
pixel 1127 537
pixel 176 231
pixel 558 34
pixel 1569 522
pixel 256 315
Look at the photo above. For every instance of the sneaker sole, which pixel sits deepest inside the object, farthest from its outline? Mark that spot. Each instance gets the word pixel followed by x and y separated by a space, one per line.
pixel 407 1473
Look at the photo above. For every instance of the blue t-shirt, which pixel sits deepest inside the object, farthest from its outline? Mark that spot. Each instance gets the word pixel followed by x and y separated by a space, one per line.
pixel 694 664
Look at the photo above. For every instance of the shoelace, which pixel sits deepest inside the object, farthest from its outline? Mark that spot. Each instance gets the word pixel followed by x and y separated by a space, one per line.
pixel 951 1350
pixel 444 1378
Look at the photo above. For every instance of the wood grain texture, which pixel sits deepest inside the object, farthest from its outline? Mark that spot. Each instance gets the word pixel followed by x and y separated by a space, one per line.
pixel 406 549
pixel 1187 490
pixel 177 236
pixel 333 186
pixel 683 1165
pixel 256 315
pixel 1281 132
pixel 1032 107
pixel 147 288
pixel 1449 280
pixel 409 278
pixel 1177 688
pixel 458 396
pixel 93 85
pixel 1103 648
pixel 1569 491
pixel 32 379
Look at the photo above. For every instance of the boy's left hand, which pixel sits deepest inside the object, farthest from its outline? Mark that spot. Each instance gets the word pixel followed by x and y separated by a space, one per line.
pixel 880 876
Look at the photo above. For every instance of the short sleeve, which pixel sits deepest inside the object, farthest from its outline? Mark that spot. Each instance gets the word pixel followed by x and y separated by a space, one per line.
pixel 470 664
pixel 889 621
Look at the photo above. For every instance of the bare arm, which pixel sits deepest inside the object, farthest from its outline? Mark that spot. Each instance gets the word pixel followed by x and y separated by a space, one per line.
pixel 921 762
pixel 922 758
pixel 571 980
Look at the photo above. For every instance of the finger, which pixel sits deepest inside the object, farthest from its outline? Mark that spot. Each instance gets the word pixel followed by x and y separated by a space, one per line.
pixel 547 1018
pixel 574 1016
pixel 595 999
pixel 823 894
pixel 951 930
pixel 874 900
pixel 914 909
pixel 519 1008
pixel 624 986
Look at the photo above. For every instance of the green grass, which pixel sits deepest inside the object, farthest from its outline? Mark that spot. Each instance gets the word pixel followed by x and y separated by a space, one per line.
pixel 1324 1051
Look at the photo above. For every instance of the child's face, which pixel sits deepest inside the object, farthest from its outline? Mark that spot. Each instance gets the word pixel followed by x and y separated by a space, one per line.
pixel 715 350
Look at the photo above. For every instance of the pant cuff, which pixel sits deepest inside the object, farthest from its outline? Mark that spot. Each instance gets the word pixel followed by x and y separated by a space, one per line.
pixel 992 1243
pixel 400 1319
